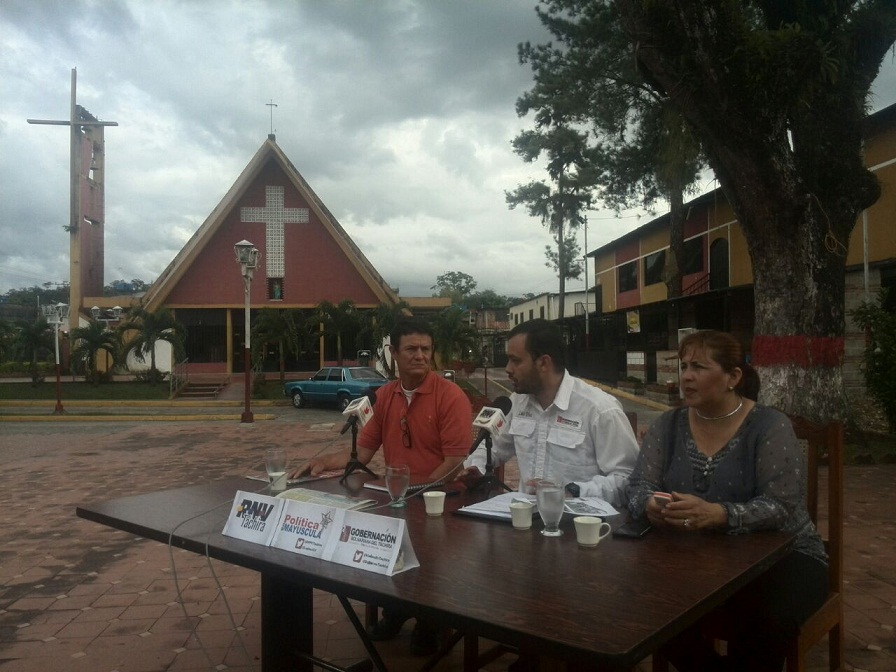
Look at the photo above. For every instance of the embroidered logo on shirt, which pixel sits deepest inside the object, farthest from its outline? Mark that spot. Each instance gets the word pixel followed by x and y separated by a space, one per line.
pixel 568 423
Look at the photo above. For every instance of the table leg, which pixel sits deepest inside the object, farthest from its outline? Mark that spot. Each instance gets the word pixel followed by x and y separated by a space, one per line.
pixel 287 625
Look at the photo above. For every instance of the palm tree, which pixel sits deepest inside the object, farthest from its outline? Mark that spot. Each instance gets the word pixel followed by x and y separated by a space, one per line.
pixel 151 328
pixel 286 328
pixel 337 320
pixel 454 336
pixel 88 341
pixel 31 339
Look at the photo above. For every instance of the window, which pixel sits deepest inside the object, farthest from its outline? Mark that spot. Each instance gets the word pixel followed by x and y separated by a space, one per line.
pixel 275 289
pixel 693 255
pixel 541 312
pixel 531 313
pixel 654 265
pixel 628 277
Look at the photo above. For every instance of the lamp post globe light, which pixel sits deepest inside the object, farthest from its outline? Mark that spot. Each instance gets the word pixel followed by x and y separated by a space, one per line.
pixel 106 315
pixel 247 257
pixel 55 315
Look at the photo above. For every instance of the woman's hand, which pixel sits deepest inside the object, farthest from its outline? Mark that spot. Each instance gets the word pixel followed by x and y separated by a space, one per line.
pixel 687 512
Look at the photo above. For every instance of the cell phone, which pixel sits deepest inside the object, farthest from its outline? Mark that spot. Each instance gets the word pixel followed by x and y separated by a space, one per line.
pixel 633 529
pixel 662 498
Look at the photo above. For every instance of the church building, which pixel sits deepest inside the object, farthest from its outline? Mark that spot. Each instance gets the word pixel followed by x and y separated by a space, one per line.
pixel 306 257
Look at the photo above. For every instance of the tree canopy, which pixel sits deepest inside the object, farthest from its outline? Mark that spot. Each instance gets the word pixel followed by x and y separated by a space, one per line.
pixel 776 95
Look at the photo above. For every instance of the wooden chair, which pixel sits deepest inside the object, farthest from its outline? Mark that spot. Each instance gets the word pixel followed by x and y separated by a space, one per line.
pixel 822 443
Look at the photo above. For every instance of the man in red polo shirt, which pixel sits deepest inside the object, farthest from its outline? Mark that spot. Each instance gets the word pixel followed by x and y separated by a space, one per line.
pixel 421 420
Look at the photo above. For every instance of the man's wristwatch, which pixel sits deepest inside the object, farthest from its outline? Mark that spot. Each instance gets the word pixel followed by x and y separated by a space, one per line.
pixel 573 489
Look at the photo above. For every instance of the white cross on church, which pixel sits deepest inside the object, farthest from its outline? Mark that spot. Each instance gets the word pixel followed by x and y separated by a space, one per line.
pixel 274 215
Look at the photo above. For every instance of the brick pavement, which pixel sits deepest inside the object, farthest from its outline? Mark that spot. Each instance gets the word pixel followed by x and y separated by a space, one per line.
pixel 80 596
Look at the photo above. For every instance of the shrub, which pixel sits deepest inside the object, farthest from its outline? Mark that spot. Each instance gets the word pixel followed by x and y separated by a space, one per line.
pixel 879 364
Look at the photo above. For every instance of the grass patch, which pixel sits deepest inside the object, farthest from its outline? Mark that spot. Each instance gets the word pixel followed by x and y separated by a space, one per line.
pixel 83 391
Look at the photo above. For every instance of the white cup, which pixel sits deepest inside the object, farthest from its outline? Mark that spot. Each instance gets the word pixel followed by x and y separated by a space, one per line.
pixel 590 530
pixel 434 500
pixel 521 514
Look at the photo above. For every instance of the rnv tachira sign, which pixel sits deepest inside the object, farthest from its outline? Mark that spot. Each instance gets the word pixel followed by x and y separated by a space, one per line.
pixel 353 538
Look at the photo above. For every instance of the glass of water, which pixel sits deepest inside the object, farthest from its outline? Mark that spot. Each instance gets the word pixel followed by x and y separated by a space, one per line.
pixel 551 497
pixel 275 465
pixel 398 479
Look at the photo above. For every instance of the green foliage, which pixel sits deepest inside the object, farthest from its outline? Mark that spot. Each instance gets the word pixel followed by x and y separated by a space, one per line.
pixel 88 342
pixel 454 337
pixel 72 391
pixel 487 299
pixel 151 376
pixel 49 292
pixel 880 353
pixel 572 258
pixel 339 320
pixel 144 329
pixel 456 285
pixel 33 340
pixel 287 330
pixel 124 287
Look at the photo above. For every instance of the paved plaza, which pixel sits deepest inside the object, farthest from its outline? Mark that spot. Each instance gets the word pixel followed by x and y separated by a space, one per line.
pixel 78 596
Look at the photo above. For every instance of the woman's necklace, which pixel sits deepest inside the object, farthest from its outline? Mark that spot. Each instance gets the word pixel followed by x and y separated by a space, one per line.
pixel 721 417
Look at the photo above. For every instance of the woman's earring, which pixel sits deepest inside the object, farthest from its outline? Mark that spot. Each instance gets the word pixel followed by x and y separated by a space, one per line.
pixel 730 388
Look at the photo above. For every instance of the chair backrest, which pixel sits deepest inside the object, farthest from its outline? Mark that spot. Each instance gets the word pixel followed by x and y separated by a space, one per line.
pixel 823 443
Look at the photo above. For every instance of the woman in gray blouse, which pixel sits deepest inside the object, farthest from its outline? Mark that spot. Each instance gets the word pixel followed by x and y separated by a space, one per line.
pixel 734 466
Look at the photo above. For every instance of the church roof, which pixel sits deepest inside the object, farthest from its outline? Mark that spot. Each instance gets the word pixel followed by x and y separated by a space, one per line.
pixel 160 290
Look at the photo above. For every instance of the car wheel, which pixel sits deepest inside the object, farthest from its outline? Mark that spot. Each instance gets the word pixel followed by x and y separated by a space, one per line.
pixel 297 399
pixel 343 402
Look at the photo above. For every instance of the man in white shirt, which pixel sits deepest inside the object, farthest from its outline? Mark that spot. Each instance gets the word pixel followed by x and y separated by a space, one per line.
pixel 560 428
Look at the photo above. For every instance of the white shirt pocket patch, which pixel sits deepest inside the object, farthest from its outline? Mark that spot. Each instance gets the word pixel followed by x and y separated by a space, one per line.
pixel 522 426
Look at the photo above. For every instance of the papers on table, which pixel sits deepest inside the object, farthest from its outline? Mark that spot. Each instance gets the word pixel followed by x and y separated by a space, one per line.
pixel 499 506
pixel 326 499
pixel 496 507
pixel 329 531
pixel 332 473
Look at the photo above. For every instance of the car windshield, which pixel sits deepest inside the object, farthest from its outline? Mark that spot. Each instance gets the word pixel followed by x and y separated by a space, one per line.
pixel 367 373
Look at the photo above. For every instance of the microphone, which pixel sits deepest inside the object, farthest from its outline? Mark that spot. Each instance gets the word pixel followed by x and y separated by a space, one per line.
pixel 491 419
pixel 359 411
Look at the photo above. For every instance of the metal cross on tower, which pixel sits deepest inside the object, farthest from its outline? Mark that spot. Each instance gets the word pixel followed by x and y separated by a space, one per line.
pixel 272 105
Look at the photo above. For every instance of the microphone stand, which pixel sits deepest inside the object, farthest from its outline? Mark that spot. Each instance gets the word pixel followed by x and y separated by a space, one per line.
pixel 488 479
pixel 354 464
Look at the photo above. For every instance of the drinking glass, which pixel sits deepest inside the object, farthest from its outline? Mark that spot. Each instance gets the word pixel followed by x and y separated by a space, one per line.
pixel 275 464
pixel 398 478
pixel 550 498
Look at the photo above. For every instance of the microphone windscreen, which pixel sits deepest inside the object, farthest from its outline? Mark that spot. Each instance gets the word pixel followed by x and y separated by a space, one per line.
pixel 503 403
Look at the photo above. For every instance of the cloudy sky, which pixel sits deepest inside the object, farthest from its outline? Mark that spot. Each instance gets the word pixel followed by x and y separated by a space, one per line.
pixel 399 114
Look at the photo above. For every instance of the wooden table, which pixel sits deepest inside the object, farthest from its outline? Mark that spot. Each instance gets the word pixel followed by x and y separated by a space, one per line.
pixel 610 606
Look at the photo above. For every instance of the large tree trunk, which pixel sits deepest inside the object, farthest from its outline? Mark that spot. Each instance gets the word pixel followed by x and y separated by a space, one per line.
pixel 798 288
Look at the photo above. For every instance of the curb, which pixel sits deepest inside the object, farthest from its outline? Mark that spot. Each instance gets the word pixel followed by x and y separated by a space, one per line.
pixel 66 417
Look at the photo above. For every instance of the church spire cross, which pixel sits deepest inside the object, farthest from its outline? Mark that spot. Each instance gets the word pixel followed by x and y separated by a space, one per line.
pixel 272 105
pixel 274 216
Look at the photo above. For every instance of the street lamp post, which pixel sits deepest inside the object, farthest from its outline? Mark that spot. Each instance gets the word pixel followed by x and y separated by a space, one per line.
pixel 55 314
pixel 247 257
